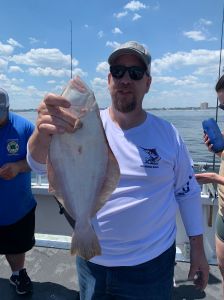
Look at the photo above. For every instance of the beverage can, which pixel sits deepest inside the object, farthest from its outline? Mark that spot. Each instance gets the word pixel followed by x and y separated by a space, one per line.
pixel 211 128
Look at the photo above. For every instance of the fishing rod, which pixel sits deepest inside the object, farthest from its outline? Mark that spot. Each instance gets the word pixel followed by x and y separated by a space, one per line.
pixel 71 55
pixel 219 74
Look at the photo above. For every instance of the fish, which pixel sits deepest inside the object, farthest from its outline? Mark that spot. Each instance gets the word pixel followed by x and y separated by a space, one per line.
pixel 82 169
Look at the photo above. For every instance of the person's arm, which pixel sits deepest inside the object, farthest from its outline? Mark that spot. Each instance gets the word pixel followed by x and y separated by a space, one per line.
pixel 188 196
pixel 199 268
pixel 191 212
pixel 38 145
pixel 52 118
pixel 211 177
pixel 10 170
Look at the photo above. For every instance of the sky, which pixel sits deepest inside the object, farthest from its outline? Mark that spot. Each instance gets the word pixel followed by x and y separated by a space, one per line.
pixel 183 38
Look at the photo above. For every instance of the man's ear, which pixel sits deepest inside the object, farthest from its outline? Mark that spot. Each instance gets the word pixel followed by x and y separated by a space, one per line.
pixel 108 78
pixel 148 83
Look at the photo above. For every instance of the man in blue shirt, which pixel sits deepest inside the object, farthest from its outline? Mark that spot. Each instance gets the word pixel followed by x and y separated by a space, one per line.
pixel 17 204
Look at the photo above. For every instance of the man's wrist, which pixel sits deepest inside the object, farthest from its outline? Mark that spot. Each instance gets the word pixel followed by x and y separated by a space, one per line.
pixel 196 241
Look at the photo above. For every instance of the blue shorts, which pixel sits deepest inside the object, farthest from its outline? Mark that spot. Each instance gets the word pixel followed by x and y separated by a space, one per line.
pixel 152 280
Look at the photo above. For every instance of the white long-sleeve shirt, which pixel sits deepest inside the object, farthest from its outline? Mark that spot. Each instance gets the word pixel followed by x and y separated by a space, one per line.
pixel 138 222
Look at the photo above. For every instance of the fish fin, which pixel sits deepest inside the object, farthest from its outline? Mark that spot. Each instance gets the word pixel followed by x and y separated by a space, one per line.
pixel 55 187
pixel 85 242
pixel 110 182
pixel 53 182
pixel 51 178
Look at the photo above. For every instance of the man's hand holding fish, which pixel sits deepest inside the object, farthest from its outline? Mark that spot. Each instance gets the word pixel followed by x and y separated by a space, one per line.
pixel 52 119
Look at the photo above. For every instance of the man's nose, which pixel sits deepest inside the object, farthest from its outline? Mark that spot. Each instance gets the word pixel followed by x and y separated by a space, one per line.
pixel 126 78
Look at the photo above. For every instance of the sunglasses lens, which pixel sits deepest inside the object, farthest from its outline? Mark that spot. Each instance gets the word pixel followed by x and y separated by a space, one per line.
pixel 135 72
pixel 117 71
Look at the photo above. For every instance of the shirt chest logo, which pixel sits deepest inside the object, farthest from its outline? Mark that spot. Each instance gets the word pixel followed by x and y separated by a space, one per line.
pixel 152 158
pixel 12 147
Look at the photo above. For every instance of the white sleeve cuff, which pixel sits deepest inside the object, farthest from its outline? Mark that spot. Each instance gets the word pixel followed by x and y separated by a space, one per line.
pixel 34 165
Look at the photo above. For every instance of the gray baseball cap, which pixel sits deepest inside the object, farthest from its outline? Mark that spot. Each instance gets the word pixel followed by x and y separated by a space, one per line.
pixel 4 99
pixel 131 47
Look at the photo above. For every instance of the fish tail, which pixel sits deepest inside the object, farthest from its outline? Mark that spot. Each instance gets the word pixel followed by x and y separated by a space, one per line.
pixel 85 242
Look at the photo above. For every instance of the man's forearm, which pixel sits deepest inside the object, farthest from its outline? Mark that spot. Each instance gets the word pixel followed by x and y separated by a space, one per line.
pixel 38 146
pixel 22 166
pixel 196 242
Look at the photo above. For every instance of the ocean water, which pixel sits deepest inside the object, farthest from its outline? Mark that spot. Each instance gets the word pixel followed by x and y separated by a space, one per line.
pixel 188 123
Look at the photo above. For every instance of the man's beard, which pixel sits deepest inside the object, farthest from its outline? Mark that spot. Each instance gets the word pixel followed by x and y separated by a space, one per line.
pixel 124 107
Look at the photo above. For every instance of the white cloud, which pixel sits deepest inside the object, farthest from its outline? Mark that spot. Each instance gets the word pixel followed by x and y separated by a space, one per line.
pixel 56 72
pixel 43 57
pixel 187 81
pixel 99 82
pixel 164 79
pixel 182 81
pixel 60 88
pixel 6 49
pixel 15 69
pixel 101 92
pixel 3 77
pixel 14 43
pixel 135 5
pixel 195 35
pixel 200 31
pixel 33 40
pixel 103 67
pixel 116 30
pixel 112 44
pixel 100 34
pixel 79 72
pixel 121 14
pixel 3 64
pixel 205 22
pixel 206 70
pixel 17 80
pixel 136 17
pixel 178 60
pixel 49 72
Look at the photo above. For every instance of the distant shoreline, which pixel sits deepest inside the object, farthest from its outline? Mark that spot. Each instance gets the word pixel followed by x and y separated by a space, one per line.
pixel 162 108
pixel 23 110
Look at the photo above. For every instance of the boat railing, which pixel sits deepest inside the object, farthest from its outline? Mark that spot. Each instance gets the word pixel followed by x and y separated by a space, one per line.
pixel 38 180
pixel 59 236
pixel 202 166
pixel 41 180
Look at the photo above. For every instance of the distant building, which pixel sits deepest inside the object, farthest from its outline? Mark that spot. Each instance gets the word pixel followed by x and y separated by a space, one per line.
pixel 204 105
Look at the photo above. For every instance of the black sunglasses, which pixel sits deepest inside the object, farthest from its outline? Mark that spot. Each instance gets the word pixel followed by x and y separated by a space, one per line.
pixel 135 72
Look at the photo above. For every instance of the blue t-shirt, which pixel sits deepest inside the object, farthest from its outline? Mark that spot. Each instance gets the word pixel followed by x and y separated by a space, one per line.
pixel 16 198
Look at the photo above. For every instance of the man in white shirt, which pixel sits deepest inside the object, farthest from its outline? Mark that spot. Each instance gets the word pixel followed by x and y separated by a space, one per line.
pixel 137 225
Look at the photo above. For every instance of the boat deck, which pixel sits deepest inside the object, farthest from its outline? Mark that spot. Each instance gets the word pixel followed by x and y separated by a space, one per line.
pixel 54 277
